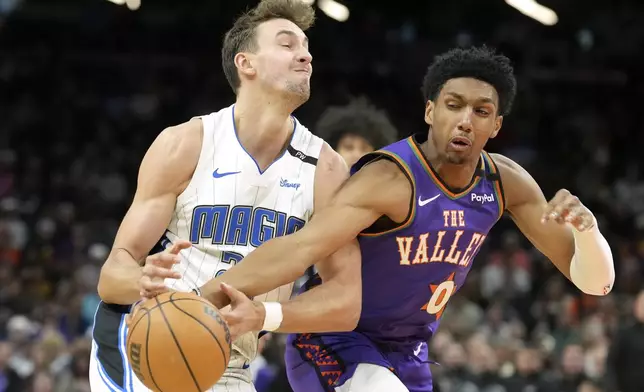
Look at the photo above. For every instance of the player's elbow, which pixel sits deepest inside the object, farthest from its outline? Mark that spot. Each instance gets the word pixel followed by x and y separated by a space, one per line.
pixel 592 282
pixel 104 287
pixel 598 288
pixel 349 305
pixel 351 314
pixel 106 284
pixel 116 286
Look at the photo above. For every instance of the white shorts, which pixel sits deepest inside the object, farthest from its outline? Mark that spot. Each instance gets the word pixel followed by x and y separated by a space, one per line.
pixel 115 373
pixel 372 378
pixel 100 382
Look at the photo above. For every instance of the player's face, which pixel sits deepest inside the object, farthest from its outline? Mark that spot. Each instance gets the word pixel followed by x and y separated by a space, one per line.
pixel 352 148
pixel 282 61
pixel 463 118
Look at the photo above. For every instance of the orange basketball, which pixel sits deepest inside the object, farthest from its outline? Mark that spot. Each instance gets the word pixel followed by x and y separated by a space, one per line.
pixel 178 342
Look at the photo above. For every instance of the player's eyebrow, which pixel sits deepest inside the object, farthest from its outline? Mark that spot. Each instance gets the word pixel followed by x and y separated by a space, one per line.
pixel 292 34
pixel 462 98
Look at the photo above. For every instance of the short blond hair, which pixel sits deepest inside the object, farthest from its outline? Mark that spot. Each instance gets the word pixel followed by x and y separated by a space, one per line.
pixel 241 37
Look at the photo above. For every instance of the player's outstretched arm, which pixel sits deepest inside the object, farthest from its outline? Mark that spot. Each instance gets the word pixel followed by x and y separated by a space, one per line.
pixel 164 173
pixel 373 191
pixel 335 304
pixel 563 229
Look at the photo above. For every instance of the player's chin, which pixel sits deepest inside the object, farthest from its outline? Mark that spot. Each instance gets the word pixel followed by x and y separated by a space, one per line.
pixel 459 157
pixel 302 92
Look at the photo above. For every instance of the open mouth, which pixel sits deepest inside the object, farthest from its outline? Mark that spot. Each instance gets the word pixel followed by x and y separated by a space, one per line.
pixel 460 143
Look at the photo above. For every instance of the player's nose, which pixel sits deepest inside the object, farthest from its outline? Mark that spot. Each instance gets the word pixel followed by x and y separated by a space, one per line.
pixel 465 122
pixel 304 56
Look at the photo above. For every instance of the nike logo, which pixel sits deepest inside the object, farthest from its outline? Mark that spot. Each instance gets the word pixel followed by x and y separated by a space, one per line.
pixel 216 173
pixel 422 202
pixel 418 349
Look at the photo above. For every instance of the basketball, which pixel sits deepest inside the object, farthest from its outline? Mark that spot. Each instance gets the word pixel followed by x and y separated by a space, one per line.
pixel 178 342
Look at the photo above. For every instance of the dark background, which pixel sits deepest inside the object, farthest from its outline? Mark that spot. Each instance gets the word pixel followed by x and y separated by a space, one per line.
pixel 85 86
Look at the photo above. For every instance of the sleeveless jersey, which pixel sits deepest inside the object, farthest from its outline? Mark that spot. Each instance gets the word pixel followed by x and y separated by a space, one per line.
pixel 230 207
pixel 410 272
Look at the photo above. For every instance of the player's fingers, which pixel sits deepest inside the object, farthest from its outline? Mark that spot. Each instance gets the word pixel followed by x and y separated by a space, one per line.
pixel 552 209
pixel 149 285
pixel 580 218
pixel 569 208
pixel 155 271
pixel 556 212
pixel 235 295
pixel 163 259
pixel 179 246
pixel 235 328
pixel 224 312
pixel 147 294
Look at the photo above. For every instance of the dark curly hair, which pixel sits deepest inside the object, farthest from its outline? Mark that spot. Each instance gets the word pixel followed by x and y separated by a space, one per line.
pixel 358 118
pixel 480 63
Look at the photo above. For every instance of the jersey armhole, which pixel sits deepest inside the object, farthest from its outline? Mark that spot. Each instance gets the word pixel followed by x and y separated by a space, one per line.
pixel 498 184
pixel 384 224
pixel 201 159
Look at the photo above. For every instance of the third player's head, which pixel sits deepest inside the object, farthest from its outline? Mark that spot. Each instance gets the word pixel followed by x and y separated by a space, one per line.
pixel 467 92
pixel 266 50
pixel 355 129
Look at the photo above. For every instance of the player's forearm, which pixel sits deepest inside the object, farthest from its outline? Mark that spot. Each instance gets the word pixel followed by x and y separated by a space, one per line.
pixel 268 267
pixel 118 282
pixel 592 269
pixel 329 307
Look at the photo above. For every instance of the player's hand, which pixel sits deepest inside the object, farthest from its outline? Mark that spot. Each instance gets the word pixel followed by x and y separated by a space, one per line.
pixel 130 316
pixel 158 267
pixel 566 208
pixel 244 314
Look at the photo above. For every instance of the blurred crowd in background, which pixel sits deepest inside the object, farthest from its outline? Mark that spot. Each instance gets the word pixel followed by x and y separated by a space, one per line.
pixel 85 88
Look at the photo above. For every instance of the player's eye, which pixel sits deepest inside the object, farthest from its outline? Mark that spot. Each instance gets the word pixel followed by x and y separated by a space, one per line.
pixel 452 106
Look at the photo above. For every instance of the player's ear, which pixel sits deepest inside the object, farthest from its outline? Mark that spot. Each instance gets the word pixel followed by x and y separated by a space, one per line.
pixel 429 112
pixel 497 126
pixel 244 63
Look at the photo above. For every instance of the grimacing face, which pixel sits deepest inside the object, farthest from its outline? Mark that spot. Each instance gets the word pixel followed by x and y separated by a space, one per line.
pixel 281 61
pixel 463 118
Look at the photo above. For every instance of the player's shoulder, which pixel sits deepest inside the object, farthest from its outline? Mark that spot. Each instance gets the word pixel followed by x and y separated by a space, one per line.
pixel 379 172
pixel 182 140
pixel 331 169
pixel 509 170
pixel 173 155
pixel 330 160
pixel 518 185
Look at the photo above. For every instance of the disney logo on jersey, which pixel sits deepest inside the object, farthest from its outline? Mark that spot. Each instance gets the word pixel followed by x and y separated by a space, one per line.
pixel 482 198
pixel 285 184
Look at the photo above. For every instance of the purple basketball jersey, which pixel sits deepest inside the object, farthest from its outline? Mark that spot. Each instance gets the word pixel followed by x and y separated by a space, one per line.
pixel 409 273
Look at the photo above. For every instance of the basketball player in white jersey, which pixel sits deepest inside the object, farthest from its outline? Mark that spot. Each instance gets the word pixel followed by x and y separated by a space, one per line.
pixel 216 187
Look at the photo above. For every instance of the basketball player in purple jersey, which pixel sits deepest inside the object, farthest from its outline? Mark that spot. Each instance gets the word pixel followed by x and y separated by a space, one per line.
pixel 422 208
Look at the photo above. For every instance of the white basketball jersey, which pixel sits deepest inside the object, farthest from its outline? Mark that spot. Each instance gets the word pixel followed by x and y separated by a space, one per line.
pixel 230 207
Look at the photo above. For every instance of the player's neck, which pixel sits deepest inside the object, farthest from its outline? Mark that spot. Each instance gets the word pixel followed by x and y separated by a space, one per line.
pixel 456 176
pixel 264 128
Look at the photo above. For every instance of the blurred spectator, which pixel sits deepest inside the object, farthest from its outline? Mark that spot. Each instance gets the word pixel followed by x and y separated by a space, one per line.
pixel 80 108
pixel 10 380
pixel 627 351
pixel 530 373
